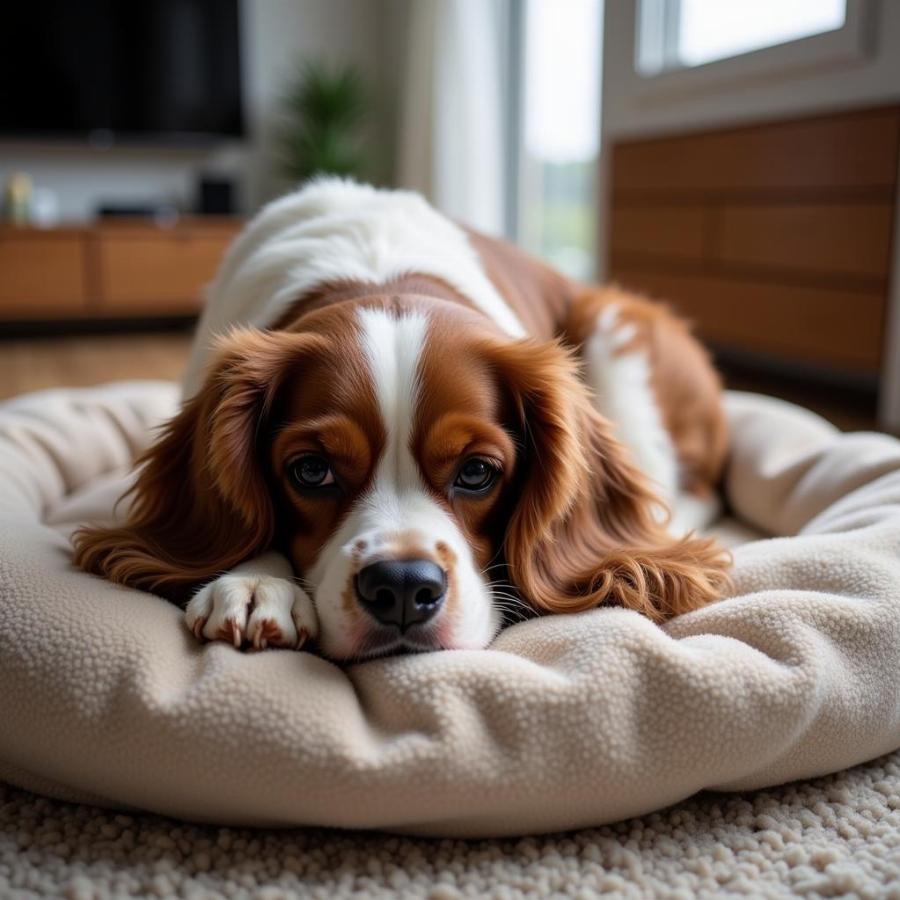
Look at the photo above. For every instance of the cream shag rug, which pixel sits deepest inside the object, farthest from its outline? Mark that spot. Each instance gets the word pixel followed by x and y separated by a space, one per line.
pixel 836 836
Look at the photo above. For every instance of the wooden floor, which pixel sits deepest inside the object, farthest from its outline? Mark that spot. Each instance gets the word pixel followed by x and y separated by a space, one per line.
pixel 29 364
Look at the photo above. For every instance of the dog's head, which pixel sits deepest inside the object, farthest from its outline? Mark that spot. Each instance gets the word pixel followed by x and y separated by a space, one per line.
pixel 422 473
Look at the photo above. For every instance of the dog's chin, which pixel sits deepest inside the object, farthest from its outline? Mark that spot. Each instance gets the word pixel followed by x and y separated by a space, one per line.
pixel 380 642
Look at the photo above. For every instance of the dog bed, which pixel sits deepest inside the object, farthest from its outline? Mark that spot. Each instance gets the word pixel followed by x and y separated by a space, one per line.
pixel 566 721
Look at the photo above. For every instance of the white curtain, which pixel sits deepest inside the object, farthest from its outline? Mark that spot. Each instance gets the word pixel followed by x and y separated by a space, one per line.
pixel 450 145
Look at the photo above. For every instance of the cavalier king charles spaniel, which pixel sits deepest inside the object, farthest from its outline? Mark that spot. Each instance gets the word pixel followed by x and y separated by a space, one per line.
pixel 397 432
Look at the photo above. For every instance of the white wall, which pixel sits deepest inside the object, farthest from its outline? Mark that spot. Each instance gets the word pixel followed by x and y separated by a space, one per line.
pixel 276 36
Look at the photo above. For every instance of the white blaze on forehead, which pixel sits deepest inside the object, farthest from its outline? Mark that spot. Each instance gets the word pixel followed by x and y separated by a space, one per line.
pixel 393 346
pixel 398 504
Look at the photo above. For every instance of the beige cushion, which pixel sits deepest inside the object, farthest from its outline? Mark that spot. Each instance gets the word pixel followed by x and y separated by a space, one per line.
pixel 566 721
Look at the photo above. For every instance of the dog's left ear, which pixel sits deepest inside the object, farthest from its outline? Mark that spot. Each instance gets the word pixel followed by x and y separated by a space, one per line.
pixel 587 528
pixel 200 504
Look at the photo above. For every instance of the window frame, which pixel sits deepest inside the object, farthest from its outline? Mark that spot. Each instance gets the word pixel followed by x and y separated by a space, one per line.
pixel 515 116
pixel 656 25
pixel 517 184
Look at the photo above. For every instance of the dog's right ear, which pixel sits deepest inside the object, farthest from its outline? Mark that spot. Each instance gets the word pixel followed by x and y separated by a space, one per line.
pixel 586 528
pixel 200 504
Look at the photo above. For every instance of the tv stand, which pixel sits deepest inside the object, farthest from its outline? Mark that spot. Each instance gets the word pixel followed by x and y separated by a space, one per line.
pixel 114 269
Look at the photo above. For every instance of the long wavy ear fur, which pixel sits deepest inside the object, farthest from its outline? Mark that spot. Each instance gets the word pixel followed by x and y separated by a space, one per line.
pixel 200 504
pixel 587 528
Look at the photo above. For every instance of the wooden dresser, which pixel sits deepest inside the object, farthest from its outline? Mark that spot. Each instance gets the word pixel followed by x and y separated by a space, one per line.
pixel 774 239
pixel 114 269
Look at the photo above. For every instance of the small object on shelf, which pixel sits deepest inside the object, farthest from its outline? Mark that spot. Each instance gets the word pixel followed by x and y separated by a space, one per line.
pixel 216 195
pixel 125 210
pixel 44 208
pixel 17 199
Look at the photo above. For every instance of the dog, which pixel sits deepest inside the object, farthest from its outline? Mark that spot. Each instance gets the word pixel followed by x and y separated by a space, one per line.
pixel 398 434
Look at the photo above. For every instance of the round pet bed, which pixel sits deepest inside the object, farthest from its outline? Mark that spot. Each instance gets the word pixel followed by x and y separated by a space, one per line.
pixel 105 697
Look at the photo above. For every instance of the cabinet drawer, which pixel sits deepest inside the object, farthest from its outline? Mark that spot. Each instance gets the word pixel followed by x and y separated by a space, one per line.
pixel 840 238
pixel 41 275
pixel 855 150
pixel 157 274
pixel 839 329
pixel 679 232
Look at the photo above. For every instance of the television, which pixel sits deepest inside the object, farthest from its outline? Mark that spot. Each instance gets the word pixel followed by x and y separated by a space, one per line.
pixel 121 70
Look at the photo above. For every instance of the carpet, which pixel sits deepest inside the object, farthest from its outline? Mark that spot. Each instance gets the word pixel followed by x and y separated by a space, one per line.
pixel 834 836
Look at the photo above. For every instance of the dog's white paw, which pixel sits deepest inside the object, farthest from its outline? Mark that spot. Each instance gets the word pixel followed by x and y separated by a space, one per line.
pixel 258 610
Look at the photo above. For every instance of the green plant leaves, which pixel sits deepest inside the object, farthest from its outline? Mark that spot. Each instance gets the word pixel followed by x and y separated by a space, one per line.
pixel 323 111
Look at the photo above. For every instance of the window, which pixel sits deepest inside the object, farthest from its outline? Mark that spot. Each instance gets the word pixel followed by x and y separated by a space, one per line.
pixel 684 33
pixel 560 82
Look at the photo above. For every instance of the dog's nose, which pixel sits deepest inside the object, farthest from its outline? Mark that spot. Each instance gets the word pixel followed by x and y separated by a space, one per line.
pixel 401 592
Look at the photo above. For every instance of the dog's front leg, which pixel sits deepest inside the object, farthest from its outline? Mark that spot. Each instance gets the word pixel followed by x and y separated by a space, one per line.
pixel 256 603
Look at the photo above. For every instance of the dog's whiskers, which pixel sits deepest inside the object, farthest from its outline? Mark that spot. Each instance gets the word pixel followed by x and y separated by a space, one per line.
pixel 511 606
pixel 499 565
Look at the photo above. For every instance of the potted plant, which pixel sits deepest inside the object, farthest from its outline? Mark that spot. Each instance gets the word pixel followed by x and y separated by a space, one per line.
pixel 324 111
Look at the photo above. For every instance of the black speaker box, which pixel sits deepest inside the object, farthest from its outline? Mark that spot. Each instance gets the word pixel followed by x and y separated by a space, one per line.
pixel 216 196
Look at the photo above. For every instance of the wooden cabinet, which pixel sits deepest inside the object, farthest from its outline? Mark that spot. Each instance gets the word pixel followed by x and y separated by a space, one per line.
pixel 832 238
pixel 166 270
pixel 42 273
pixel 773 238
pixel 115 269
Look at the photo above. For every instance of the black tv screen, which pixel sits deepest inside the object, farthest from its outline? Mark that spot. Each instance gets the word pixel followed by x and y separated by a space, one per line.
pixel 121 69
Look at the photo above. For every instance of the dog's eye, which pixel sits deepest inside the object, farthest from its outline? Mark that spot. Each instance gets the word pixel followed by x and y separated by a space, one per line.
pixel 311 471
pixel 476 475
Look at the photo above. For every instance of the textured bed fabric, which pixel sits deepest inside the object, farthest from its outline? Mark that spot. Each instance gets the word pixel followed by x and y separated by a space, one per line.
pixel 838 836
pixel 565 722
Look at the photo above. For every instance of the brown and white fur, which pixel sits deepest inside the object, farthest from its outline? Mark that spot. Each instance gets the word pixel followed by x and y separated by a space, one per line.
pixel 359 328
